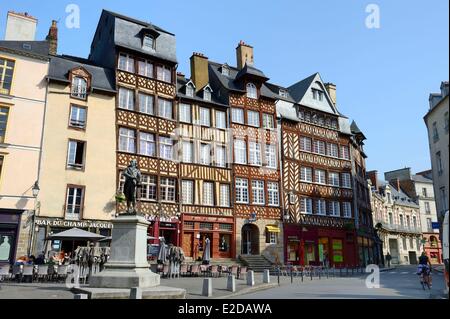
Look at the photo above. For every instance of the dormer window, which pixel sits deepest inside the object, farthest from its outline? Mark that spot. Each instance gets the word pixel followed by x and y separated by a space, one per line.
pixel 79 88
pixel 207 94
pixel 251 91
pixel 225 70
pixel 148 43
pixel 190 90
pixel 317 94
pixel 283 93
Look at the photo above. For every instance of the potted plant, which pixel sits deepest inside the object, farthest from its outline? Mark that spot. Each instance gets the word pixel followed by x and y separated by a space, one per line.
pixel 120 197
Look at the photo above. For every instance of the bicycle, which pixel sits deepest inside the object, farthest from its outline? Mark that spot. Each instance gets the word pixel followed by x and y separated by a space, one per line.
pixel 425 276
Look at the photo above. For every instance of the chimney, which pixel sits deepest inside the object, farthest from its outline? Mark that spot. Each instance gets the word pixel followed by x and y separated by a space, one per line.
pixel 199 70
pixel 244 54
pixel 373 176
pixel 52 38
pixel 395 183
pixel 331 89
pixel 20 27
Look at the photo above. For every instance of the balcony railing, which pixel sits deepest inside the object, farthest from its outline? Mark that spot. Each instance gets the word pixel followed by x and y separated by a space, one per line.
pixel 398 228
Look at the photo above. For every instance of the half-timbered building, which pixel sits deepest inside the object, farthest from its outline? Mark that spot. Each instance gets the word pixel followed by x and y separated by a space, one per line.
pixel 144 59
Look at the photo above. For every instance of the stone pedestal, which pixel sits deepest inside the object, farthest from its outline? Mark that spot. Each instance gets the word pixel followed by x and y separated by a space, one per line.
pixel 127 266
pixel 127 272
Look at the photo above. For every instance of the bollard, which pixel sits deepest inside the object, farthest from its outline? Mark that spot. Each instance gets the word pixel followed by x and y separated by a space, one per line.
pixel 320 270
pixel 353 270
pixel 135 293
pixel 311 272
pixel 80 296
pixel 340 272
pixel 278 275
pixel 231 283
pixel 250 278
pixel 207 287
pixel 292 278
pixel 302 273
pixel 346 268
pixel 266 276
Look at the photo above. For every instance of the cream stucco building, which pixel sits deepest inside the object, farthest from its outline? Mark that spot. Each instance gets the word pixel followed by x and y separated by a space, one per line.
pixel 78 180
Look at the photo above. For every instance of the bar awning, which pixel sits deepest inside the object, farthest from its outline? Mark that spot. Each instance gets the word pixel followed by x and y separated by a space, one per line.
pixel 273 229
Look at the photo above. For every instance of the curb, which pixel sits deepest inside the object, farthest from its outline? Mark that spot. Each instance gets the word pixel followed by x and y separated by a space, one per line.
pixel 249 290
pixel 387 269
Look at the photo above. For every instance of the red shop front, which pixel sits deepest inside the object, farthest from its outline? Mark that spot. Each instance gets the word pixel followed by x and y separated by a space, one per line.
pixel 169 228
pixel 307 245
pixel 219 230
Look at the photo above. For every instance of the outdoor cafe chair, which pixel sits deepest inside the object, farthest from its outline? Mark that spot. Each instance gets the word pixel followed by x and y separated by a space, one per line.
pixel 4 272
pixel 28 272
pixel 165 271
pixel 17 272
pixel 204 269
pixel 62 272
pixel 223 270
pixel 243 272
pixel 215 271
pixel 42 272
pixel 183 269
pixel 234 270
pixel 195 270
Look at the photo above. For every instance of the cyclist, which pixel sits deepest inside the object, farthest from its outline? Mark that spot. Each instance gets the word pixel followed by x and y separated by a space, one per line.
pixel 424 269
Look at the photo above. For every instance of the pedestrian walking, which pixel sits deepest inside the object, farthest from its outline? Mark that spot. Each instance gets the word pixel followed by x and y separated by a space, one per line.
pixel 388 259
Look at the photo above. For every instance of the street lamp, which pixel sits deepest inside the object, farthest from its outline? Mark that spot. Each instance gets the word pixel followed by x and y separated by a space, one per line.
pixel 35 189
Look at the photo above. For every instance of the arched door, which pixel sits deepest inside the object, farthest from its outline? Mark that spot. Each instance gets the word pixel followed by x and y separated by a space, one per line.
pixel 250 240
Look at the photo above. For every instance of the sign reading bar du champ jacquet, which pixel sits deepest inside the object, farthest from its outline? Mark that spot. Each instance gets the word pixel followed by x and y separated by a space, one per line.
pixel 72 223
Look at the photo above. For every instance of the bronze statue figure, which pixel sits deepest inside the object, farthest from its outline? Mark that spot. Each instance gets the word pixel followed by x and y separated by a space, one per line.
pixel 132 183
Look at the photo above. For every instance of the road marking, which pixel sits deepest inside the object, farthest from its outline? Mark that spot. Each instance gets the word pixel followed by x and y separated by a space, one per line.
pixel 404 272
pixel 393 272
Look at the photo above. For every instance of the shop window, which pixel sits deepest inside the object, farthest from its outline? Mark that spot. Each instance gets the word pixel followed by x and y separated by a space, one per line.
pixel 188 225
pixel 271 237
pixel 338 254
pixel 208 226
pixel 227 227
pixel 224 243
pixel 6 247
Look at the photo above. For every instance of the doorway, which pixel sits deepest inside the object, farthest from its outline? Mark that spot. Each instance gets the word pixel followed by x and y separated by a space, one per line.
pixel 412 257
pixel 250 240
pixel 393 249
pixel 188 241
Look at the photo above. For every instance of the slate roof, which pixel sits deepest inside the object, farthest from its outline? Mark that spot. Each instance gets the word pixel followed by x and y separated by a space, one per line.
pixel 298 90
pixel 398 197
pixel 143 23
pixel 421 179
pixel 37 49
pixel 355 130
pixel 181 83
pixel 252 71
pixel 102 78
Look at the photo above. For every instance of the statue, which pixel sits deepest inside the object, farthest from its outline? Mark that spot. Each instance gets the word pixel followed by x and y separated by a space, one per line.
pixel 132 183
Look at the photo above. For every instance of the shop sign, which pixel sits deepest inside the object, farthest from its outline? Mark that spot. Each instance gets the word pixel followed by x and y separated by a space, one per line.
pixel 161 219
pixel 167 225
pixel 71 223
pixel 252 218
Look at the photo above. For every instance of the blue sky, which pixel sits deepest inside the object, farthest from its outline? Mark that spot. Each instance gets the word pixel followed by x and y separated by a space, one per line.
pixel 383 76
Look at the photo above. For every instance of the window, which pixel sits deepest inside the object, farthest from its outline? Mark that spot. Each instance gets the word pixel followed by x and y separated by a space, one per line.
pixel 253 118
pixel 405 247
pixel 240 152
pixel 427 208
pixel 225 71
pixel 221 121
pixel 79 87
pixel 6 75
pixel 148 187
pixel 224 195
pixel 185 113
pixel 75 158
pixel 146 103
pixel 4 112
pixel 439 163
pixel 306 205
pixel 271 237
pixel 345 154
pixel 1 164
pixel 268 122
pixel 305 144
pixel 347 209
pixel 251 91
pixel 320 176
pixel 126 63
pixel 411 243
pixel 334 209
pixel 334 124
pixel 127 140
pixel 306 174
pixel 389 197
pixel 145 68
pixel 333 150
pixel 255 153
pixel 424 192
pixel 391 219
pixel 414 222
pixel 207 94
pixel 188 152
pixel 190 90
pixel 283 93
pixel 258 192
pixel 187 192
pixel 333 179
pixel 126 99
pixel 273 194
pixel 167 189
pixel 271 156
pixel 165 147
pixel 317 94
pixel 444 198
pixel 321 121
pixel 241 190
pixel 208 193
pixel 435 132
pixel 446 122
pixel 205 154
pixel 402 223
pixel 164 73
pixel 221 156
pixel 205 116
pixel 77 116
pixel 237 115
pixel 321 207
pixel 319 147
pixel 147 144
pixel 165 108
pixel 346 180
pixel 148 43
pixel 408 221
pixel 73 202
